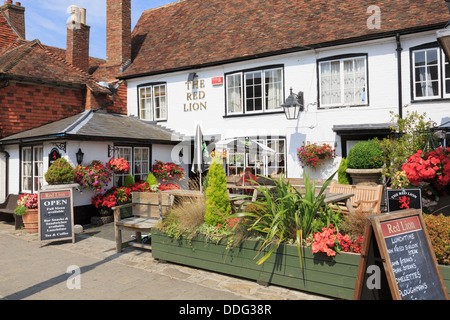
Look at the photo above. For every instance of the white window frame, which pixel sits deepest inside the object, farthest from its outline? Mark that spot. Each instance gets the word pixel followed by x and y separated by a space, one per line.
pixel 34 166
pixel 144 164
pixel 342 61
pixel 445 77
pixel 250 159
pixel 439 70
pixel 242 89
pixel 130 156
pixel 152 102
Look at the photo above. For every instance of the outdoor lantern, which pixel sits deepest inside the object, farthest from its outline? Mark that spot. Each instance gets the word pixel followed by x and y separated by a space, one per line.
pixel 293 105
pixel 443 36
pixel 80 156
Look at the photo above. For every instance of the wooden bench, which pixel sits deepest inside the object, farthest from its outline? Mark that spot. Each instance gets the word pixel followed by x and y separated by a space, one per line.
pixel 366 199
pixel 7 209
pixel 147 209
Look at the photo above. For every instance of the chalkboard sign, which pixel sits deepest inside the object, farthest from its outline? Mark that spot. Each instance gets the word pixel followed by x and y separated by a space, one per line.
pixel 56 215
pixel 403 199
pixel 399 249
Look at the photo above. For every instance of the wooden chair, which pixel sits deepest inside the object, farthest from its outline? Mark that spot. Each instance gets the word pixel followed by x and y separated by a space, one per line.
pixel 366 199
pixel 147 209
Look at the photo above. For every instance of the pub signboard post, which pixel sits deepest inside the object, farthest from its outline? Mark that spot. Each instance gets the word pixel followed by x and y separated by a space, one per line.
pixel 398 260
pixel 56 216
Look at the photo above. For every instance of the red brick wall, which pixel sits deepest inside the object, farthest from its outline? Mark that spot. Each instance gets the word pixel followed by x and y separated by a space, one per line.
pixel 118 32
pixel 26 106
pixel 77 52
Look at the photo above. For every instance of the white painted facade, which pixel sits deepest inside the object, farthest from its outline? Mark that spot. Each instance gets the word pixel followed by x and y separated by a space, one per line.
pixel 300 73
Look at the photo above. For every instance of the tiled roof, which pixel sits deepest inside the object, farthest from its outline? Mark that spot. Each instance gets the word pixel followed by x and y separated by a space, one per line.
pixel 98 126
pixel 29 60
pixel 194 33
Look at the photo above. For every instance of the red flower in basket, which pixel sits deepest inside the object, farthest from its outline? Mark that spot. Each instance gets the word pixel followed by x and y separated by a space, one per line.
pixel 118 165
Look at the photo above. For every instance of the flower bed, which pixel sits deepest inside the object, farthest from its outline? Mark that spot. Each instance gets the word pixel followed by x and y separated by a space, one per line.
pixel 321 274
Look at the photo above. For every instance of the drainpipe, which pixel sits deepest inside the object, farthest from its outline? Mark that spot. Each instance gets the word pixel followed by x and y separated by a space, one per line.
pixel 6 171
pixel 399 72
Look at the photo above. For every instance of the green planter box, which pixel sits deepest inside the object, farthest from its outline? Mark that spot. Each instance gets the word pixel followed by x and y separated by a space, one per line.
pixel 330 276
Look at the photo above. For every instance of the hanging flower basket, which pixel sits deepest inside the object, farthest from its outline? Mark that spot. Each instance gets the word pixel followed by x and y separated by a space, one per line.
pixel 118 165
pixel 314 155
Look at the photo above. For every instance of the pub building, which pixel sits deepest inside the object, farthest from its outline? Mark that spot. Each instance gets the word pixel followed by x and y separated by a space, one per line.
pixel 231 68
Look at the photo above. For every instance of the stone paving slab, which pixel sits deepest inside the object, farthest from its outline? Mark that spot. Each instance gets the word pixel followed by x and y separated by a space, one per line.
pixel 106 274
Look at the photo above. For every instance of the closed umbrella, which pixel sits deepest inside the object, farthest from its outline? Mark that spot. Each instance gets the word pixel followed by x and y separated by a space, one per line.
pixel 200 154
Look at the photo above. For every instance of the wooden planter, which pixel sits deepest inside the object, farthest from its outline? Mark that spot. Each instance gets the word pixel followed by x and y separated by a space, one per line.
pixel 330 276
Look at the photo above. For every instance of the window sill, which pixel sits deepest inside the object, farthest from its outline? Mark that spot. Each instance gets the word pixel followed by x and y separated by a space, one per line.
pixel 430 100
pixel 253 114
pixel 343 107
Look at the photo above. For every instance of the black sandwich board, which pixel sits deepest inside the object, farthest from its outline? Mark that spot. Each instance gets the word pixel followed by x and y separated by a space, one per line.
pixel 56 215
pixel 403 199
pixel 398 248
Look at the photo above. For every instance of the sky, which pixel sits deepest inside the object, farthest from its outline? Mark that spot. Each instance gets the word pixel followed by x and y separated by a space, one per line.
pixel 46 20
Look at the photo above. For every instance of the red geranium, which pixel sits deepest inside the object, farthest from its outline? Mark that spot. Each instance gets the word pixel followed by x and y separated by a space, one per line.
pixel 433 167
pixel 331 242
pixel 314 155
pixel 118 165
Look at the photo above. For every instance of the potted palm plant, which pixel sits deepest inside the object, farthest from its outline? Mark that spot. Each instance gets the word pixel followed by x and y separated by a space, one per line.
pixel 27 207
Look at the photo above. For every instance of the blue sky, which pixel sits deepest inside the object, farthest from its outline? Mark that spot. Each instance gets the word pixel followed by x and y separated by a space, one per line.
pixel 46 20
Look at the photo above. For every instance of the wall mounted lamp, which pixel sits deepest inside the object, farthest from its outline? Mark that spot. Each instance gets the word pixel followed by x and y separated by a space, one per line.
pixel 293 105
pixel 80 156
pixel 192 76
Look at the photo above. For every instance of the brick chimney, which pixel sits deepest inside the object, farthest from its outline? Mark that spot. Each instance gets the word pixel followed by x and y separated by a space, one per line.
pixel 77 51
pixel 16 16
pixel 118 32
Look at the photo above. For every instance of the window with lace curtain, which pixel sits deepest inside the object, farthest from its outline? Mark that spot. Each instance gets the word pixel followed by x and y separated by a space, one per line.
pixel 343 82
pixel 152 102
pixel 430 74
pixel 32 169
pixel 254 91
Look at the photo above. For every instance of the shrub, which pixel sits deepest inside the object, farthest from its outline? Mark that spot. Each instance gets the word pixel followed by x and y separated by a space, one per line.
pixel 151 179
pixel 60 172
pixel 439 230
pixel 343 176
pixel 217 202
pixel 129 180
pixel 365 155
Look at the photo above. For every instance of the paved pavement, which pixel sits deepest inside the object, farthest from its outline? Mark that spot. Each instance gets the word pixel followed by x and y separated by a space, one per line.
pixel 28 271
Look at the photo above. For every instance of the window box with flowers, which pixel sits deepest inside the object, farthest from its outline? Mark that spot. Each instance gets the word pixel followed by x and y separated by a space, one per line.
pixel 165 172
pixel 94 177
pixel 314 155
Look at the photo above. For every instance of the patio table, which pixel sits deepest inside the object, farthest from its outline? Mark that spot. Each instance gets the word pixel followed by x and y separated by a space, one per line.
pixel 339 197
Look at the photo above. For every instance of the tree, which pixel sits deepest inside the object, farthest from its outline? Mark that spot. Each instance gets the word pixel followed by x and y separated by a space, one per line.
pixel 217 202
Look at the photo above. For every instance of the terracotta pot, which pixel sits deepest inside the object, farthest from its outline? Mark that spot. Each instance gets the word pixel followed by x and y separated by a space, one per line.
pixel 30 221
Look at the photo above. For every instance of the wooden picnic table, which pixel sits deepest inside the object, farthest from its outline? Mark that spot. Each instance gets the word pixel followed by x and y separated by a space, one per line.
pixel 339 197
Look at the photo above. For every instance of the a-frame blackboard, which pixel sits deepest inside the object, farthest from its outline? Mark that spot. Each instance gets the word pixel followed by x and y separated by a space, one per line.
pixel 398 260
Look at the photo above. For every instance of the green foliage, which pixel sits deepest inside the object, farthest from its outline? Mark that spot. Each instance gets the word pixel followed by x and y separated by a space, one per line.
pixel 439 230
pixel 328 216
pixel 285 214
pixel 410 135
pixel 365 155
pixel 60 172
pixel 20 210
pixel 218 206
pixel 343 176
pixel 129 180
pixel 151 179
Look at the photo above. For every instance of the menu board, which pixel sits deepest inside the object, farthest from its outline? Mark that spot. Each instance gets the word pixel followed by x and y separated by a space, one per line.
pixel 56 215
pixel 411 261
pixel 398 243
